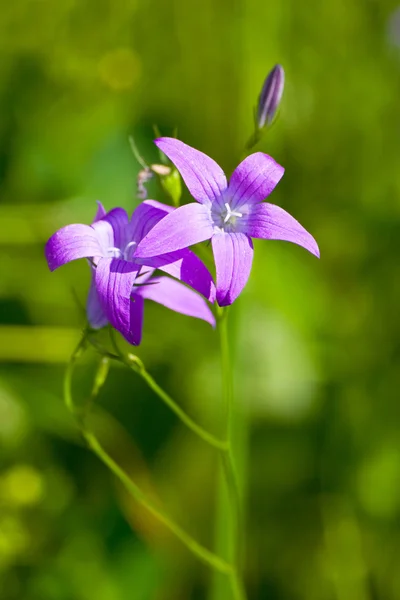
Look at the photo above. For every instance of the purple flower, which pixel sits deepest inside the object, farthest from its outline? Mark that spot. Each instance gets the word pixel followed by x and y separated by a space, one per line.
pixel 270 96
pixel 114 295
pixel 228 214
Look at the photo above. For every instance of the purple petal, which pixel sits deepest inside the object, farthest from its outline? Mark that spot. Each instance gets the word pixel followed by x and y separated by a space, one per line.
pixel 144 275
pixel 271 222
pixel 156 204
pixel 183 264
pixel 70 243
pixel 114 281
pixel 254 179
pixel 136 326
pixel 95 313
pixel 112 229
pixel 101 212
pixel 145 217
pixel 177 297
pixel 187 267
pixel 233 255
pixel 203 176
pixel 185 226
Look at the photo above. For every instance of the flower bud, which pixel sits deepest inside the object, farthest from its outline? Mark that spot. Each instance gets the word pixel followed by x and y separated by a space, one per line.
pixel 270 96
pixel 170 181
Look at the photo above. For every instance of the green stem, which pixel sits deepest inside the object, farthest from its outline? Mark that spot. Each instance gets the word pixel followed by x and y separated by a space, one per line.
pixel 228 462
pixel 197 549
pixel 253 140
pixel 136 365
pixel 79 350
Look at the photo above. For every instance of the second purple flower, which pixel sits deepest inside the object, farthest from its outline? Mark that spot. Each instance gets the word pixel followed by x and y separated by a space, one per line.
pixel 121 282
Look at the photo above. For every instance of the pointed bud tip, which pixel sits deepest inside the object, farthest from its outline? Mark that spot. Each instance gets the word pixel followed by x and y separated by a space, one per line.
pixel 270 97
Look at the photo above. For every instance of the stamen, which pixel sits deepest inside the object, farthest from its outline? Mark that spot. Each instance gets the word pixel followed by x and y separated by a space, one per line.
pixel 116 252
pixel 126 251
pixel 230 213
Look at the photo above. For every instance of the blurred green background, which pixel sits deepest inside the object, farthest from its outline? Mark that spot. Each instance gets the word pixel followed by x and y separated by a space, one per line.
pixel 317 342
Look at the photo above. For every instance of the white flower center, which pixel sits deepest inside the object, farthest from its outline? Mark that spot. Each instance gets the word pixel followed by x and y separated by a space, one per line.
pixel 225 218
pixel 114 252
pixel 231 215
pixel 127 252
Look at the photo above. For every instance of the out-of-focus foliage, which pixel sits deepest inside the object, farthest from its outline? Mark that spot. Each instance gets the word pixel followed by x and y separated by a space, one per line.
pixel 317 343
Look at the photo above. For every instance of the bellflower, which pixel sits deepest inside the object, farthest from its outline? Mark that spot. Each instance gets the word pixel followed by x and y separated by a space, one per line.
pixel 229 215
pixel 114 295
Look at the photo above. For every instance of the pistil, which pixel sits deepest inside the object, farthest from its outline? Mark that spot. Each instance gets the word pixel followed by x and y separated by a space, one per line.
pixel 230 213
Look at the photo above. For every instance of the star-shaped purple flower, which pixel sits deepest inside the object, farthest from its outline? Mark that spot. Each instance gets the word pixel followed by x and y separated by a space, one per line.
pixel 229 215
pixel 115 295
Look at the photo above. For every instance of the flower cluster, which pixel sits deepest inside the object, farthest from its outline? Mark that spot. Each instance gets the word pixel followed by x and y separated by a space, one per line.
pixel 125 253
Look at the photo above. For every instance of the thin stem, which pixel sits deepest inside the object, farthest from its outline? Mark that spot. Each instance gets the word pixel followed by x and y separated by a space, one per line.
pixel 79 350
pixel 238 590
pixel 228 463
pixel 253 140
pixel 136 153
pixel 136 365
pixel 197 549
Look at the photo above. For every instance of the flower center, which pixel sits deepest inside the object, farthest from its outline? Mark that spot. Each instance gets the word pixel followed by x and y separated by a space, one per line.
pixel 224 217
pixel 126 254
pixel 113 252
pixel 128 250
pixel 230 215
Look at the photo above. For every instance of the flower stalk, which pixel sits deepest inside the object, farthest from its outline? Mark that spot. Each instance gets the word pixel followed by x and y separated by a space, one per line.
pixel 136 365
pixel 230 541
pixel 197 549
pixel 228 567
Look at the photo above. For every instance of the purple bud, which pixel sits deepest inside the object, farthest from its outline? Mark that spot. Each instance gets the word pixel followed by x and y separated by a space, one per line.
pixel 270 96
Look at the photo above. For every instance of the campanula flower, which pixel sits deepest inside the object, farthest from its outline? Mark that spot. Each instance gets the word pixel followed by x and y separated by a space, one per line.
pixel 229 215
pixel 115 295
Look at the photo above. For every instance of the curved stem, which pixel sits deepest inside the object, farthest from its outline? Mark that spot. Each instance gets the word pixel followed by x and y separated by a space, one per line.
pixel 197 549
pixel 136 365
pixel 79 350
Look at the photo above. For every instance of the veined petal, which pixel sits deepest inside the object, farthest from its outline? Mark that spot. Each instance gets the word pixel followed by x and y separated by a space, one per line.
pixel 136 326
pixel 70 243
pixel 185 226
pixel 114 280
pixel 95 313
pixel 203 176
pixel 187 267
pixel 156 204
pixel 177 297
pixel 145 217
pixel 254 179
pixel 112 229
pixel 144 274
pixel 233 255
pixel 271 222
